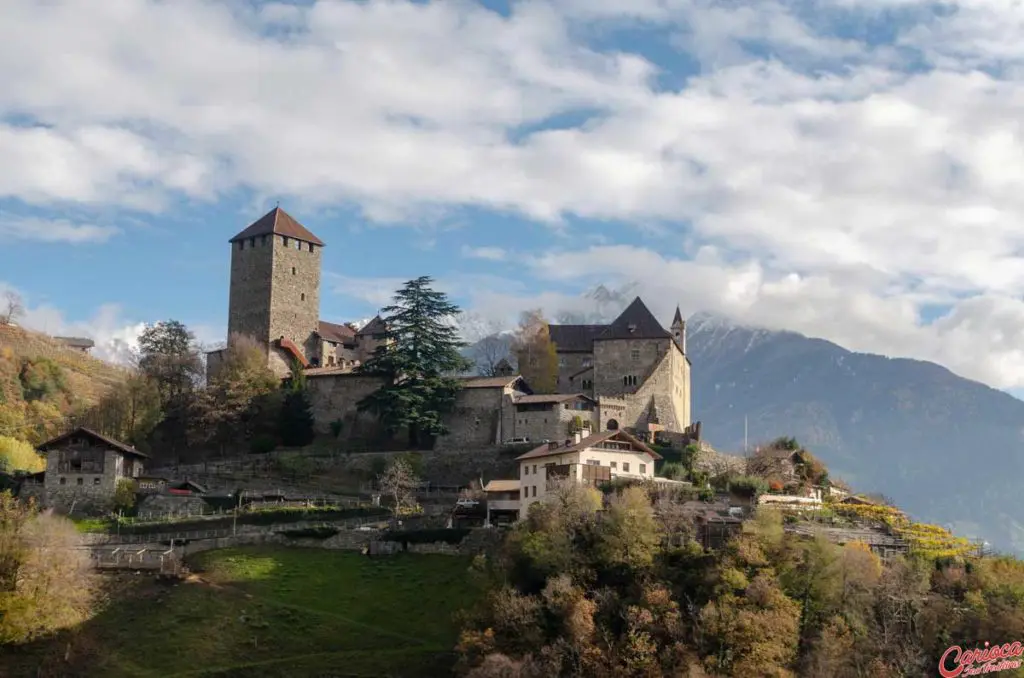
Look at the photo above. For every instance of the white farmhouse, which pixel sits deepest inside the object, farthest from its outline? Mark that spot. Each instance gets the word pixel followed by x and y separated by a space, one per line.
pixel 591 460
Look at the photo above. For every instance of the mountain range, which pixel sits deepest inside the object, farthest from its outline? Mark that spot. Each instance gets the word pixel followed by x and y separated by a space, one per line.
pixel 946 449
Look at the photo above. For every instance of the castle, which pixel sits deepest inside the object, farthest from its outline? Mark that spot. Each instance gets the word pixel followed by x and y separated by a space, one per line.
pixel 274 298
pixel 631 374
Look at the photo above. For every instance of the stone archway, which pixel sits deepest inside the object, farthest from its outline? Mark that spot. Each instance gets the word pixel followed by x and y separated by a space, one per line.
pixel 612 425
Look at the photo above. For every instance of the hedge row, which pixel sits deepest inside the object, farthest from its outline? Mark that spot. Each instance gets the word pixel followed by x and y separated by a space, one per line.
pixel 406 537
pixel 271 517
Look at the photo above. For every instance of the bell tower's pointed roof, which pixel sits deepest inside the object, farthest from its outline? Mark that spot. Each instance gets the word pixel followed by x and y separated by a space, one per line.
pixel 678 318
pixel 278 222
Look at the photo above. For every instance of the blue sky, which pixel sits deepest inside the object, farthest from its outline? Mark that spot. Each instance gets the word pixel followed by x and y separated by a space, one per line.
pixel 846 170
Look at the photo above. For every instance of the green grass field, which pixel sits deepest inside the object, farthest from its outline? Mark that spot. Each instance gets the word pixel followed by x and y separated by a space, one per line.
pixel 292 612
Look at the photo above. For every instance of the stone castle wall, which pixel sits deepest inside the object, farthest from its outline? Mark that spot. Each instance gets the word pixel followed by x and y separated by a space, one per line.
pixel 336 396
pixel 249 295
pixel 667 387
pixel 295 301
pixel 568 365
pixel 550 424
pixel 614 359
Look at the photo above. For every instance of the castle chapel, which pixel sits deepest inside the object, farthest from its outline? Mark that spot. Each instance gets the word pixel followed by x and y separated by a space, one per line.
pixel 636 371
pixel 631 374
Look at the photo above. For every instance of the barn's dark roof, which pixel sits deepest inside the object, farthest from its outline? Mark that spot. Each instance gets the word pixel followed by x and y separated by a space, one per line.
pixel 278 222
pixel 636 322
pixel 88 433
pixel 575 337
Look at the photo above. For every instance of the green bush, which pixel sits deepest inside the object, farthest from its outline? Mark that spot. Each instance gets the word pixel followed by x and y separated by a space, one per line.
pixel 706 494
pixel 406 537
pixel 262 444
pixel 318 532
pixel 267 517
pixel 673 470
pixel 747 486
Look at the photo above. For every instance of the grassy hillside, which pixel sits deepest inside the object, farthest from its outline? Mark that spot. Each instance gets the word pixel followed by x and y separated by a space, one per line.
pixel 262 612
pixel 42 382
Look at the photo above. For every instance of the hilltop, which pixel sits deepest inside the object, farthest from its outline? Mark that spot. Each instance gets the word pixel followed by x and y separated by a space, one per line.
pixel 42 381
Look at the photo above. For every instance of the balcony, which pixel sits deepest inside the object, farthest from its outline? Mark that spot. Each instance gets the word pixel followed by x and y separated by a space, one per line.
pixel 590 475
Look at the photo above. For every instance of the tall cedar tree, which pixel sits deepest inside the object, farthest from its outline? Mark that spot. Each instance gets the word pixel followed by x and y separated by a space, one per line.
pixel 418 360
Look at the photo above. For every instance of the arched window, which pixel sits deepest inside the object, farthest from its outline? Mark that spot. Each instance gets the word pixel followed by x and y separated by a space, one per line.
pixel 613 425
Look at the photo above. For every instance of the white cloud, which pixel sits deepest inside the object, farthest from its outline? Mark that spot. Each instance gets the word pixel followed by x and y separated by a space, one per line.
pixel 53 230
pixel 487 253
pixel 116 336
pixel 833 186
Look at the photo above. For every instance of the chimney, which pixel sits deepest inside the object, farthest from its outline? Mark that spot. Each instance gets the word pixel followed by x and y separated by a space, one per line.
pixel 577 437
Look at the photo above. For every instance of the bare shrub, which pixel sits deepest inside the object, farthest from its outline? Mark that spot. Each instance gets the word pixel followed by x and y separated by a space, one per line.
pixel 46 578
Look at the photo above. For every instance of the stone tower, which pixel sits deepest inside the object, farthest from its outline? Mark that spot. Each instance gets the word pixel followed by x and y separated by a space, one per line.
pixel 275 288
pixel 679 330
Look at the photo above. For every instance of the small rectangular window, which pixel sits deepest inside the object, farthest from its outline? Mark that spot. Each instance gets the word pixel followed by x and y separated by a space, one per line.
pixel 534 468
pixel 284 238
pixel 252 242
pixel 241 244
pixel 293 270
pixel 593 462
pixel 310 247
pixel 303 296
pixel 63 481
pixel 635 354
pixel 298 245
pixel 613 464
pixel 95 481
pixel 643 469
pixel 526 470
pixel 81 481
pixel 263 241
pixel 625 466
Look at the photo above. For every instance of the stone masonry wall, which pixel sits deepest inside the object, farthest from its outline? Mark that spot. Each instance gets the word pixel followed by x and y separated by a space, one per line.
pixel 295 298
pixel 476 419
pixel 613 359
pixel 568 365
pixel 336 397
pixel 249 297
pixel 551 424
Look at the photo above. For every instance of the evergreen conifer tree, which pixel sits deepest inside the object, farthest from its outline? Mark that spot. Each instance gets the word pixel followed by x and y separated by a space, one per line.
pixel 419 361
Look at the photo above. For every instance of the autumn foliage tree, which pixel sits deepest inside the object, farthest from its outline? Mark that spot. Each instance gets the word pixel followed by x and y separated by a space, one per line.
pixel 580 591
pixel 229 408
pixel 46 579
pixel 535 352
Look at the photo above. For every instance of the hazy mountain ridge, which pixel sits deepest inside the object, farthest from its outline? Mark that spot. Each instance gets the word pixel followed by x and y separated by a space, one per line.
pixel 907 428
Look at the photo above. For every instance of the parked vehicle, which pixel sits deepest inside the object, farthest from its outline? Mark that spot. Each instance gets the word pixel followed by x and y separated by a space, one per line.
pixel 516 441
pixel 467 503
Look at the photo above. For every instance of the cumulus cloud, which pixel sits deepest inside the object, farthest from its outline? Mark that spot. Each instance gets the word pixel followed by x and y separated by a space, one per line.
pixel 840 168
pixel 116 336
pixel 53 230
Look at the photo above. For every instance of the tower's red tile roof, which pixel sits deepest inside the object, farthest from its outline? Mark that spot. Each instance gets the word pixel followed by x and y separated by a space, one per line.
pixel 278 222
